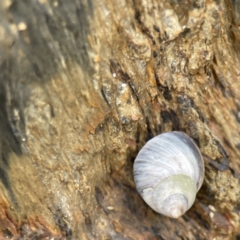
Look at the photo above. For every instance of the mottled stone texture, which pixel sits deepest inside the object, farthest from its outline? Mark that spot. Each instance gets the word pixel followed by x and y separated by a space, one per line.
pixel 84 84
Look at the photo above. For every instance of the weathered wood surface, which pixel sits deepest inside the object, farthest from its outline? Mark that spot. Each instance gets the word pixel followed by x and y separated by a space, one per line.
pixel 84 84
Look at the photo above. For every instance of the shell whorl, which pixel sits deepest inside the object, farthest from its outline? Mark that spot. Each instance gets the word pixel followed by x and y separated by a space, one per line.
pixel 168 172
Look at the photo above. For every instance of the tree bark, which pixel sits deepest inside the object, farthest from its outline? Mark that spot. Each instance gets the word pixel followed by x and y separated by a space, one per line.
pixel 84 84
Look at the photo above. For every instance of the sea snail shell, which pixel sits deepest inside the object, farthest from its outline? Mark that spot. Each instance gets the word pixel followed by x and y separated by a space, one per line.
pixel 168 172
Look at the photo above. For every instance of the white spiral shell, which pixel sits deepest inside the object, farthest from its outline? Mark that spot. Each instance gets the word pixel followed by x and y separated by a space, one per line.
pixel 168 172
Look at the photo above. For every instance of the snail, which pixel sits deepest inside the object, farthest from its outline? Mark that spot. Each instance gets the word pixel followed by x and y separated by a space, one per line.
pixel 168 172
